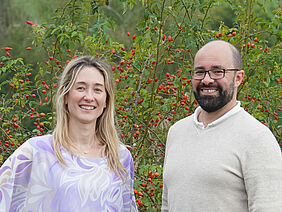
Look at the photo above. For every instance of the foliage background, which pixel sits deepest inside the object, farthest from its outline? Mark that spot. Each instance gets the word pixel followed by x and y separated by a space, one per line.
pixel 151 45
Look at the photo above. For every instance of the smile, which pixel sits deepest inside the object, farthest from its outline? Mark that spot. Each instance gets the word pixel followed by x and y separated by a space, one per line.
pixel 87 107
pixel 208 90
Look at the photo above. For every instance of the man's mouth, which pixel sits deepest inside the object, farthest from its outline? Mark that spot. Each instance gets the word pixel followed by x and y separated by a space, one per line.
pixel 204 90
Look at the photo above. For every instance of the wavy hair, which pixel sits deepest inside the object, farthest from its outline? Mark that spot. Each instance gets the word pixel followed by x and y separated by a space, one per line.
pixel 105 129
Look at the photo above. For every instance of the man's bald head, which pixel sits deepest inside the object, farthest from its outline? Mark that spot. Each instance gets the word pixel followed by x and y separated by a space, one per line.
pixel 218 45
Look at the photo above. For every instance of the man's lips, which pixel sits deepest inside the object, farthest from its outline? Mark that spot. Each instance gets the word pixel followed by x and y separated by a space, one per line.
pixel 208 89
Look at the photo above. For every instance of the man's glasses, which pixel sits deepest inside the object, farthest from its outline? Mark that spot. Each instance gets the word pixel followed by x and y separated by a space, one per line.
pixel 216 73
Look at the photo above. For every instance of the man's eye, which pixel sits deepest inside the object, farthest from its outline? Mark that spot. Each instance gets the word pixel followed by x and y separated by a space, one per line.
pixel 199 72
pixel 218 71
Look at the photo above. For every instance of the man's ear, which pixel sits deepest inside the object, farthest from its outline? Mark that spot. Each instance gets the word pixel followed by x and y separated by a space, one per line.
pixel 239 78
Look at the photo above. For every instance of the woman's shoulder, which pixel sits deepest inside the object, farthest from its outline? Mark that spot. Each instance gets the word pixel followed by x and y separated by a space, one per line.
pixel 124 152
pixel 41 143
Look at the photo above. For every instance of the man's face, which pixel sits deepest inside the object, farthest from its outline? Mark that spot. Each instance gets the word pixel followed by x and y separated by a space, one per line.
pixel 212 94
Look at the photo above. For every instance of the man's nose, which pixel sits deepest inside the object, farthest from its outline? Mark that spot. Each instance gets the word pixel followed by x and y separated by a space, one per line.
pixel 207 79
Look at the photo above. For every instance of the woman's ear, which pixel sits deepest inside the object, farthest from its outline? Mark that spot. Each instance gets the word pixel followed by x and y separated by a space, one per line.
pixel 239 78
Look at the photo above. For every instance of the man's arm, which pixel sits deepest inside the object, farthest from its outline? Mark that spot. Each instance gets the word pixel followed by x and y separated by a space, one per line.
pixel 262 170
pixel 164 199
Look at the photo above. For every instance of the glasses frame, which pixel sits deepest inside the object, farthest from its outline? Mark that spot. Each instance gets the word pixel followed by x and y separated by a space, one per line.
pixel 208 71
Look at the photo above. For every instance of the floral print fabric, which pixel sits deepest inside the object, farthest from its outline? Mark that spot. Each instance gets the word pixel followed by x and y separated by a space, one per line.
pixel 33 180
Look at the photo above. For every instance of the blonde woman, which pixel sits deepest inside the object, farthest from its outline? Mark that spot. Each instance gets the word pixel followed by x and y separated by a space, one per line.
pixel 82 166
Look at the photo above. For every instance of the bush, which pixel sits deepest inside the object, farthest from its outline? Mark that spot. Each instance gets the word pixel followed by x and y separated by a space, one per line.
pixel 153 82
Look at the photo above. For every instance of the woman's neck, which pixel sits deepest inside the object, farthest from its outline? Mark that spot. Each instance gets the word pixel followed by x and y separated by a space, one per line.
pixel 85 141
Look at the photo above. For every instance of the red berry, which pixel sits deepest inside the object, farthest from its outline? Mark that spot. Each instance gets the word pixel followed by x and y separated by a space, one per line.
pixel 128 33
pixel 169 38
pixel 51 58
pixel 28 48
pixel 133 37
pixel 29 22
pixel 255 39
pixel 8 49
pixel 113 51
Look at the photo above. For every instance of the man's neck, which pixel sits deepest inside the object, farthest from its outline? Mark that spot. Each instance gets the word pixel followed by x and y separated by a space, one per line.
pixel 209 117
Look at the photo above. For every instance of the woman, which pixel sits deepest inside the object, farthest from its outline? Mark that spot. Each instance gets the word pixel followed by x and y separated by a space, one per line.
pixel 82 166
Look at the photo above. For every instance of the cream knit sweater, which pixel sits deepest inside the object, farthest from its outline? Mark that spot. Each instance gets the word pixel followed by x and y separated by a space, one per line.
pixel 233 165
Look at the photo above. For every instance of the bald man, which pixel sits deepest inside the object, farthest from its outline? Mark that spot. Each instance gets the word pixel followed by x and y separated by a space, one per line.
pixel 221 159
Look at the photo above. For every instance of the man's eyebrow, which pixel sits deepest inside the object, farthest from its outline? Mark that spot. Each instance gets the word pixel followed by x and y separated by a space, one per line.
pixel 217 66
pixel 199 67
pixel 212 67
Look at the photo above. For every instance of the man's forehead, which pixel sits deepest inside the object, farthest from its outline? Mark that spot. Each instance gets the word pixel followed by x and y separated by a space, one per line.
pixel 214 55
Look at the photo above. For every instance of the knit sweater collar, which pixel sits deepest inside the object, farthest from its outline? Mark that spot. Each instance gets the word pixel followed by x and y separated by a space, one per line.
pixel 220 119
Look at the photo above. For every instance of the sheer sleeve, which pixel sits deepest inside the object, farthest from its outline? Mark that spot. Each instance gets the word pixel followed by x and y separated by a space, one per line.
pixel 128 195
pixel 14 179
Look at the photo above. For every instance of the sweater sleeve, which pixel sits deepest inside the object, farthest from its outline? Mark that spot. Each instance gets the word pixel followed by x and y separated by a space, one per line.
pixel 14 178
pixel 165 206
pixel 164 199
pixel 262 170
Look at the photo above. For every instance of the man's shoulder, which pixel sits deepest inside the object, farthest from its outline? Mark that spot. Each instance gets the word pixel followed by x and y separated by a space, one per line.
pixel 183 122
pixel 248 124
pixel 248 121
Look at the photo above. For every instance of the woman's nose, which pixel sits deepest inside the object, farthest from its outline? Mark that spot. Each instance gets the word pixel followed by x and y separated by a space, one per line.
pixel 89 96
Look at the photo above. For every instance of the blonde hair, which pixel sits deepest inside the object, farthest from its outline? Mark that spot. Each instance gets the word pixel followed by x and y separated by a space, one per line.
pixel 105 129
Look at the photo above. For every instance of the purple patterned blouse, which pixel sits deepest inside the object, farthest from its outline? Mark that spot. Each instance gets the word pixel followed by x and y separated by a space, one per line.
pixel 32 179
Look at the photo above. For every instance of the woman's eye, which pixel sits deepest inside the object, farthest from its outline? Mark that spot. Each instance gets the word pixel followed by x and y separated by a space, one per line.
pixel 80 88
pixel 98 90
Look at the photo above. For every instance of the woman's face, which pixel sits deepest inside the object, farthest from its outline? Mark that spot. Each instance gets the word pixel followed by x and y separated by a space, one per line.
pixel 86 99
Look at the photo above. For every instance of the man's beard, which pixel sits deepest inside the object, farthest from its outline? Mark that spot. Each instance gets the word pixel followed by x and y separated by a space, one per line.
pixel 213 103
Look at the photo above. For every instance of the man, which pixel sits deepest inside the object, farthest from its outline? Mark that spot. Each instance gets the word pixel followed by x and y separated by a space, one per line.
pixel 221 159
